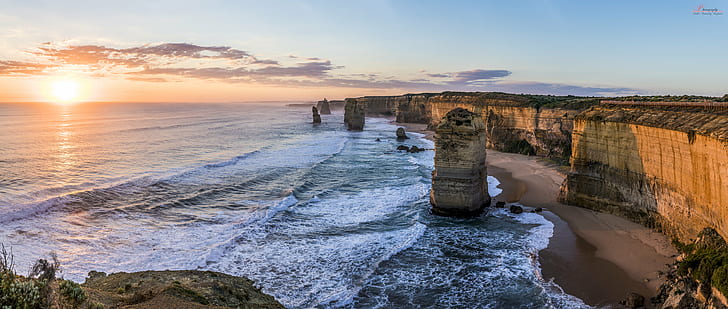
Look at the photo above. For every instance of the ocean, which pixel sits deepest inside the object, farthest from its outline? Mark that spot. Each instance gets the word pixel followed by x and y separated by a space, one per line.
pixel 317 216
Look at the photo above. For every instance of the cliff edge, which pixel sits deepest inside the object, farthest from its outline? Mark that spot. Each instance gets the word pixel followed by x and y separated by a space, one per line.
pixel 663 167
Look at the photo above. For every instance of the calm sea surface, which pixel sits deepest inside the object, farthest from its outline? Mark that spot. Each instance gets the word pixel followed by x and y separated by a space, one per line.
pixel 317 216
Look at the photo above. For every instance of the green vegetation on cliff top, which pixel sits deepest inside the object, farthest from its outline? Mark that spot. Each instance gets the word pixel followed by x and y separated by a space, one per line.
pixel 567 102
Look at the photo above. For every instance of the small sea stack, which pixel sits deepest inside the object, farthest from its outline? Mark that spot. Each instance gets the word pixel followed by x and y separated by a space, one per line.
pixel 323 107
pixel 459 184
pixel 401 134
pixel 354 115
pixel 316 116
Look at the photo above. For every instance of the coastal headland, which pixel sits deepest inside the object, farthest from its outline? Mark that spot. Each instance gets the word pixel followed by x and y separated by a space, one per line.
pixel 657 163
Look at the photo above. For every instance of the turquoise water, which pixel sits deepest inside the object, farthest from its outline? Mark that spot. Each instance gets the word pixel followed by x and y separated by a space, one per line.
pixel 317 216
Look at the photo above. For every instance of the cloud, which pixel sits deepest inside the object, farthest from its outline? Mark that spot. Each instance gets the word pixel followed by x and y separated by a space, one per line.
pixel 438 75
pixel 476 76
pixel 174 62
pixel 21 68
pixel 561 89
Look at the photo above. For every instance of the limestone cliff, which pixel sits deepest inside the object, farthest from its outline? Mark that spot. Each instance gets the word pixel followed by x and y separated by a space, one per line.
pixel 528 124
pixel 459 185
pixel 663 167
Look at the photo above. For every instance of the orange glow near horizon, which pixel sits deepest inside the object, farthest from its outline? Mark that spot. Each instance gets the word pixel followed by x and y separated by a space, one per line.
pixel 64 91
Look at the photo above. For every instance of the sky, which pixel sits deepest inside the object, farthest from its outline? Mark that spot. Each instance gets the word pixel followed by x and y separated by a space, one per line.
pixel 240 51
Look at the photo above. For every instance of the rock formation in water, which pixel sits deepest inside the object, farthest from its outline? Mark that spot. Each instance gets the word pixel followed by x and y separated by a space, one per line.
pixel 401 135
pixel 323 107
pixel 459 185
pixel 316 116
pixel 354 115
pixel 662 167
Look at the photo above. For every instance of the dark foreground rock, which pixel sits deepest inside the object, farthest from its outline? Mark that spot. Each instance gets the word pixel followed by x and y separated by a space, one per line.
pixel 634 301
pixel 515 209
pixel 175 289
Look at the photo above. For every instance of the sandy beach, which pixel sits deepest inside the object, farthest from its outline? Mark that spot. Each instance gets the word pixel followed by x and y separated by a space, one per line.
pixel 594 256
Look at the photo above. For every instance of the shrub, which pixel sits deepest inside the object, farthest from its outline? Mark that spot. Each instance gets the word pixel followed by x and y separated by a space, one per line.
pixel 720 279
pixel 44 270
pixel 72 292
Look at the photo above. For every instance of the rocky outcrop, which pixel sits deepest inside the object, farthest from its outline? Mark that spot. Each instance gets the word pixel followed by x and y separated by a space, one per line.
pixel 316 116
pixel 323 107
pixel 354 115
pixel 662 167
pixel 401 135
pixel 459 185
pixel 175 289
pixel 699 278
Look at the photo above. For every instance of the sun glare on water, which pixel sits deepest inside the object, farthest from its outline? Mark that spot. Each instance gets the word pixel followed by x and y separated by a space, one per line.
pixel 64 91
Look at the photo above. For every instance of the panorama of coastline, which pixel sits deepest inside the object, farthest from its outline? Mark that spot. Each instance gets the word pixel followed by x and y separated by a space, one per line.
pixel 363 154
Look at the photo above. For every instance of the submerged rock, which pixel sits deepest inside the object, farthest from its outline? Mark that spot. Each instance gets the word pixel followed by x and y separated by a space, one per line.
pixel 500 204
pixel 459 185
pixel 316 116
pixel 401 135
pixel 515 209
pixel 413 149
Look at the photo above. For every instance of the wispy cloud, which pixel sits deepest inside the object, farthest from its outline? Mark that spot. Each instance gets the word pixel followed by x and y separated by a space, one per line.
pixel 21 68
pixel 173 62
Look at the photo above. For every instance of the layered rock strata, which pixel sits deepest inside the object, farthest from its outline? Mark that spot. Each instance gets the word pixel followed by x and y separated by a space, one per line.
pixel 459 185
pixel 514 123
pixel 354 114
pixel 665 168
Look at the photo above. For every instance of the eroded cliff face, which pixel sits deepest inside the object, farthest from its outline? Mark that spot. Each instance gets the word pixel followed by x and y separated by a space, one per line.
pixel 663 168
pixel 512 125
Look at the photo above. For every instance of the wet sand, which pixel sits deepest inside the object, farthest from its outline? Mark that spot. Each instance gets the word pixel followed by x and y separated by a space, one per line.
pixel 594 256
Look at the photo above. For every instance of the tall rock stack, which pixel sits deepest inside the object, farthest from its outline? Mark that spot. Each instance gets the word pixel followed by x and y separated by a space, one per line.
pixel 323 107
pixel 459 184
pixel 354 114
pixel 316 116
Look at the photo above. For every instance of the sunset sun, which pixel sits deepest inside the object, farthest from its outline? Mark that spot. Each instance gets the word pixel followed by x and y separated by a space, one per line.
pixel 64 90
